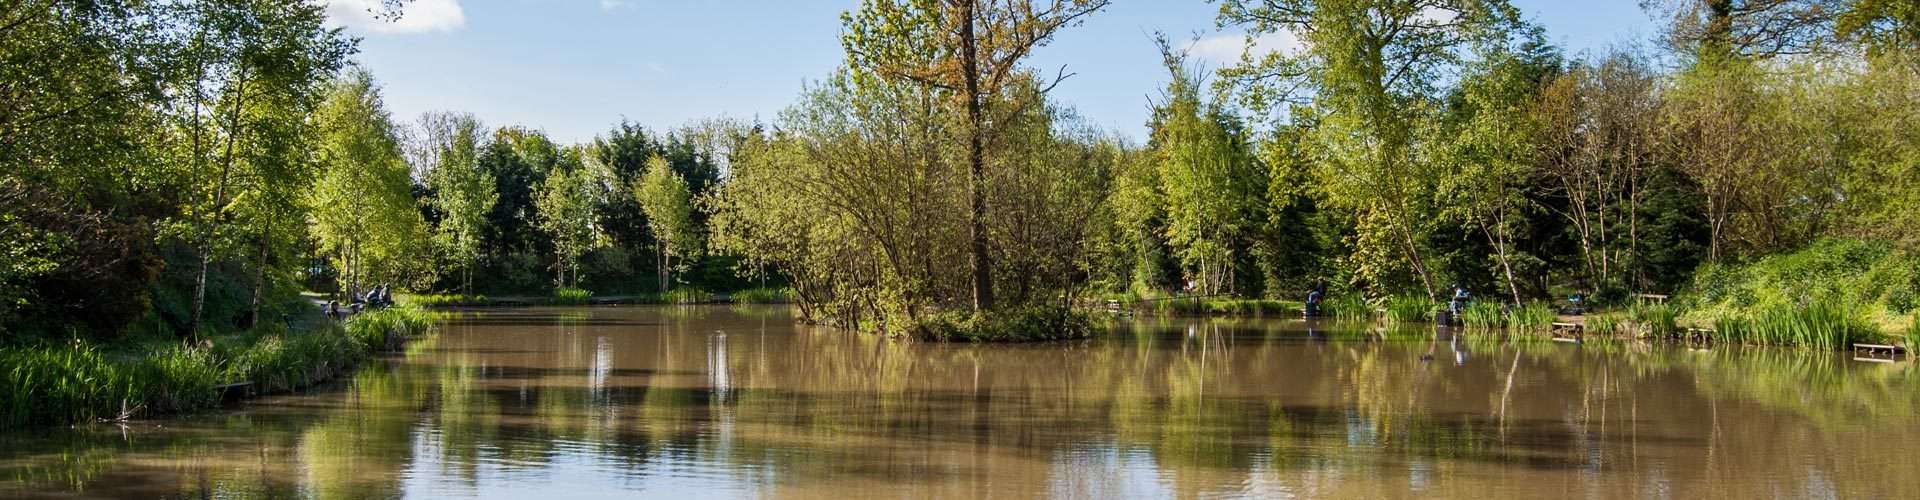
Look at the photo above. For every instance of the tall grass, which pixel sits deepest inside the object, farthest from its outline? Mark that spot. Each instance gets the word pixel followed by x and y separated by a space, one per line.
pixel 1820 325
pixel 1483 315
pixel 1347 307
pixel 1532 315
pixel 569 296
pixel 1651 319
pixel 441 300
pixel 1409 309
pixel 761 296
pixel 1224 306
pixel 386 329
pixel 78 381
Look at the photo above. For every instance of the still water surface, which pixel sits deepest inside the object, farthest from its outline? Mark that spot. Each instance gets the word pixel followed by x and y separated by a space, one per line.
pixel 739 402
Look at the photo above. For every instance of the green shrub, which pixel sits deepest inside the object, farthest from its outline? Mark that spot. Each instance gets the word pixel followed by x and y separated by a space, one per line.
pixel 1027 324
pixel 571 297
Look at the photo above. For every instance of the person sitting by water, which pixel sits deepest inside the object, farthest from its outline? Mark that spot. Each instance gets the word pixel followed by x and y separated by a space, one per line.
pixel 1460 299
pixel 1314 298
pixel 333 310
pixel 386 295
pixel 1576 303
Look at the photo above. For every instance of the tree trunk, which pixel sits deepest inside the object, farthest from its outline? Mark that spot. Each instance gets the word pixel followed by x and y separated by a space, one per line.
pixel 977 256
pixel 260 279
pixel 219 200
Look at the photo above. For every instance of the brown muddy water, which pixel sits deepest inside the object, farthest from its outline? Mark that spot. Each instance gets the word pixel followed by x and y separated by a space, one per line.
pixel 739 402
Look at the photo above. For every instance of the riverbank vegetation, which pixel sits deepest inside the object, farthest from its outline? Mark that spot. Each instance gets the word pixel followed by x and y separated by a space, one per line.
pixel 932 183
pixel 83 381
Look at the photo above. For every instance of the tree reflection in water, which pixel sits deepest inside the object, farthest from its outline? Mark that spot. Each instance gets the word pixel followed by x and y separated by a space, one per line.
pixel 737 401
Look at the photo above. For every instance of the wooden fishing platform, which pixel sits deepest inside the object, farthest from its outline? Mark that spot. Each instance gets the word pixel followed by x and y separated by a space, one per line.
pixel 1568 331
pixel 1879 349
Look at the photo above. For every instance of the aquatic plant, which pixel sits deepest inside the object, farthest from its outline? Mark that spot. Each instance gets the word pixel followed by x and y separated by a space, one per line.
pixel 1532 315
pixel 386 329
pixel 1483 315
pixel 1409 309
pixel 1348 307
pixel 761 296
pixel 569 296
pixel 1654 319
pixel 1820 325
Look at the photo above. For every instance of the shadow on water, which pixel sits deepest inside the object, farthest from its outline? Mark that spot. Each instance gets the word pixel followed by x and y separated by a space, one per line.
pixel 744 403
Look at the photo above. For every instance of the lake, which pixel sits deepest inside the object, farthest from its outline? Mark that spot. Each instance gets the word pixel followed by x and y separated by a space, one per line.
pixel 713 401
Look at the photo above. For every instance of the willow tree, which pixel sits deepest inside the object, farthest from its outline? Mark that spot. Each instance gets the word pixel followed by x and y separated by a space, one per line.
pixel 971 51
pixel 1370 68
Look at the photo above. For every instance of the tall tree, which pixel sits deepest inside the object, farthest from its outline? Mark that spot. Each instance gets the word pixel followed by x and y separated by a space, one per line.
pixel 1370 67
pixel 242 56
pixel 668 203
pixel 463 193
pixel 1211 184
pixel 565 203
pixel 971 50
pixel 363 207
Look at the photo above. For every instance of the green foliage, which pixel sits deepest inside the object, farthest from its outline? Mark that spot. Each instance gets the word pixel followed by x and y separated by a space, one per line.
pixel 1483 314
pixel 1872 282
pixel 387 329
pixel 570 297
pixel 1408 309
pixel 1821 325
pixel 364 213
pixel 664 197
pixel 1026 324
pixel 762 296
pixel 1347 307
pixel 79 381
pixel 1224 306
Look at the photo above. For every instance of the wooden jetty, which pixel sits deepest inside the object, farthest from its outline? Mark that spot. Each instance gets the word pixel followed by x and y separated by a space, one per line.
pixel 1568 331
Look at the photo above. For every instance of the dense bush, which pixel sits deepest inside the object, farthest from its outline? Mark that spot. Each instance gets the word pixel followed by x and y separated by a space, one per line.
pixel 571 297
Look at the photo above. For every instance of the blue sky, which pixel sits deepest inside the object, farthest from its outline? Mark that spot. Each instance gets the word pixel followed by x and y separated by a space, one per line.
pixel 575 67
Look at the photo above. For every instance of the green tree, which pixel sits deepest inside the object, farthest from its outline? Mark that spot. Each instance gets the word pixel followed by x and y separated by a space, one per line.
pixel 363 208
pixel 242 57
pixel 1210 182
pixel 971 51
pixel 1371 67
pixel 565 203
pixel 1489 154
pixel 664 196
pixel 463 193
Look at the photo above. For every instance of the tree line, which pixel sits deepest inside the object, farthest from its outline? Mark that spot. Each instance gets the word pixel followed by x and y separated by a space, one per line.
pixel 182 167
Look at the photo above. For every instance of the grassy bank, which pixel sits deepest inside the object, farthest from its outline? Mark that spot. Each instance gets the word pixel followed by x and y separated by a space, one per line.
pixel 78 381
pixel 1827 295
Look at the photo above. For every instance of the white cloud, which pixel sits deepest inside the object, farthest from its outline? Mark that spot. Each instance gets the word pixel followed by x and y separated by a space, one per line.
pixel 615 4
pixel 418 16
pixel 1225 49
